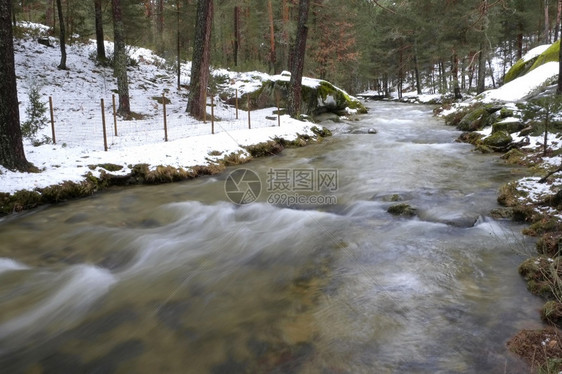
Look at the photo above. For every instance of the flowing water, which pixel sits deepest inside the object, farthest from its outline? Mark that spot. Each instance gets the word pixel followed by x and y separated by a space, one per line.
pixel 176 278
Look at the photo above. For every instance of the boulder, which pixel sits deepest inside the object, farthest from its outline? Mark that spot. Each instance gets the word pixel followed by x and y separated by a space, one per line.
pixel 478 118
pixel 318 96
pixel 508 126
pixel 498 139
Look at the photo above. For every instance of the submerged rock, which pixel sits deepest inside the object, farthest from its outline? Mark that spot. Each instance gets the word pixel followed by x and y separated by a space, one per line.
pixel 403 209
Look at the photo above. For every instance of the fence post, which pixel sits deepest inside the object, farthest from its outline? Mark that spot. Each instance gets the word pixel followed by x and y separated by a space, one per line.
pixel 52 119
pixel 212 114
pixel 165 120
pixel 249 121
pixel 103 122
pixel 114 115
pixel 237 103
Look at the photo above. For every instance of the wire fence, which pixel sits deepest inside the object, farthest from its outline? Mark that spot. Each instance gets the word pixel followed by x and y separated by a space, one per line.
pixel 96 125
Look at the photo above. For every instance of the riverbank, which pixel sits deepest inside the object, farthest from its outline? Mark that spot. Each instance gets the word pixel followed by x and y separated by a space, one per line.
pixel 77 177
pixel 85 150
pixel 517 135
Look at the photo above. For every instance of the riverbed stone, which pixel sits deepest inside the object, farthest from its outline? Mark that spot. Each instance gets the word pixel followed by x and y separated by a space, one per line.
pixel 404 210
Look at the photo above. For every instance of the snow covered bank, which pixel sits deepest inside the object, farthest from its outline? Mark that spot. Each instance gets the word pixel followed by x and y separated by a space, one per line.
pixel 77 93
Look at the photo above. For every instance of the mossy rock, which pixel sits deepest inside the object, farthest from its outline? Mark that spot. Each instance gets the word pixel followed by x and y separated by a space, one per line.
pixel 323 132
pixel 324 98
pixel 509 127
pixel 519 69
pixel 550 244
pixel 537 271
pixel 550 55
pixel 473 138
pixel 551 313
pixel 404 210
pixel 478 118
pixel 498 139
pixel 514 157
pixel 509 195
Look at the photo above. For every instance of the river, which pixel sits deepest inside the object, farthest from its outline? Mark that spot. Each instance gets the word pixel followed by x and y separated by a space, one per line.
pixel 314 276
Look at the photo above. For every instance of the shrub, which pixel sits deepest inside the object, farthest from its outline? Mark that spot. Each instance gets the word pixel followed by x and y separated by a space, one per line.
pixel 35 112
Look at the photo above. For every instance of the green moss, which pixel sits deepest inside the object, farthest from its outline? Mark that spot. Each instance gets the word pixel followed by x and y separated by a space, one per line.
pixel 550 55
pixel 509 127
pixel 498 139
pixel 519 69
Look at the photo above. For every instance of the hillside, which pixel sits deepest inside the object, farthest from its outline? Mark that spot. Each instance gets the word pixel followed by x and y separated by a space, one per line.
pixel 76 94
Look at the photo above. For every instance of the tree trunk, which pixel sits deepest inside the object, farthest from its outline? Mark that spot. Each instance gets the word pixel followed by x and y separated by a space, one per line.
pixel 62 37
pixel 160 26
pixel 284 50
pixel 417 69
pixel 559 88
pixel 456 86
pixel 197 105
pixel 272 53
pixel 558 20
pixel 481 70
pixel 294 99
pixel 99 31
pixel 12 154
pixel 49 14
pixel 546 23
pixel 520 45
pixel 178 43
pixel 236 34
pixel 120 60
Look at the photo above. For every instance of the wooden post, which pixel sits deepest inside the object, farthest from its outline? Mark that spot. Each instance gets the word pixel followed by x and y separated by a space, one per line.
pixel 114 115
pixel 237 103
pixel 278 111
pixel 212 114
pixel 249 121
pixel 52 119
pixel 165 119
pixel 103 122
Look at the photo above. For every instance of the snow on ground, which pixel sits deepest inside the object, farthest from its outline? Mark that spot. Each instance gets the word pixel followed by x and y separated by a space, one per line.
pixel 77 92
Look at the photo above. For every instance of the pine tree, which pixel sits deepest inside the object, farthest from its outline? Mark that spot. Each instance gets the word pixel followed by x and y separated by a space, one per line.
pixel 12 154
pixel 197 105
pixel 120 60
pixel 294 96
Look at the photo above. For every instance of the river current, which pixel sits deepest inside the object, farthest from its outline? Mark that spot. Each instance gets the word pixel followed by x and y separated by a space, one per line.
pixel 314 276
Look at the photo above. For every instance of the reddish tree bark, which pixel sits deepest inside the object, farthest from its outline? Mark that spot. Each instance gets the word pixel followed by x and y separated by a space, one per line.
pixel 197 105
pixel 294 97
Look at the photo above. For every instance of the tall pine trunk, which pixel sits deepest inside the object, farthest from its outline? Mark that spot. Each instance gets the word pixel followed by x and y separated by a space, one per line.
pixel 12 154
pixel 99 31
pixel 62 37
pixel 236 33
pixel 456 86
pixel 294 97
pixel 481 86
pixel 197 104
pixel 120 60
pixel 272 53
